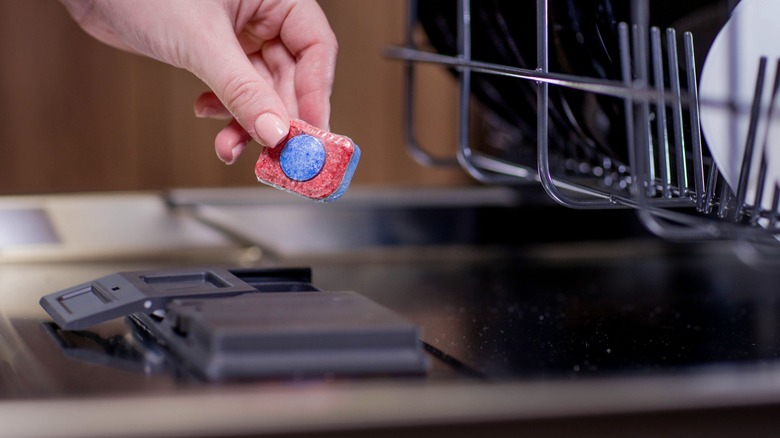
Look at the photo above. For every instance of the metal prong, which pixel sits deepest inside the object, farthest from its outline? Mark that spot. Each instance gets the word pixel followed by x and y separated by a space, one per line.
pixel 775 206
pixel 628 106
pixel 660 111
pixel 711 182
pixel 764 146
pixel 755 213
pixel 725 197
pixel 645 155
pixel 755 113
pixel 677 111
pixel 693 94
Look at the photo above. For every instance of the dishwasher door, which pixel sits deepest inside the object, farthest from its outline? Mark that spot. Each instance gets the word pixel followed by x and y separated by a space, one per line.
pixel 567 321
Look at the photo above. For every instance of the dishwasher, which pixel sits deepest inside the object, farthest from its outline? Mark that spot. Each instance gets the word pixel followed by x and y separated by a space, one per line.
pixel 612 271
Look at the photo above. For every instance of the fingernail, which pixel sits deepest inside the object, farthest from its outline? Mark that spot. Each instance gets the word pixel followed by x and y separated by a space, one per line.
pixel 207 111
pixel 236 151
pixel 270 130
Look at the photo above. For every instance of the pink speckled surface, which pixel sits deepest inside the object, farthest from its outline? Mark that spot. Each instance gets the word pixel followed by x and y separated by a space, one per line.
pixel 338 152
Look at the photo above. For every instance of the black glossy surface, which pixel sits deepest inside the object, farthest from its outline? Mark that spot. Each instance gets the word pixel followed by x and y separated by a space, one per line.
pixel 633 307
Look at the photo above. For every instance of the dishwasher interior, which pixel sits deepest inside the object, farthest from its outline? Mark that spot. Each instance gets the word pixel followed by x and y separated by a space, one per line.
pixel 607 273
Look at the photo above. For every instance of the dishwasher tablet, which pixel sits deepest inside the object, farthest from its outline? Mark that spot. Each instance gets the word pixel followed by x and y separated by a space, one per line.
pixel 310 162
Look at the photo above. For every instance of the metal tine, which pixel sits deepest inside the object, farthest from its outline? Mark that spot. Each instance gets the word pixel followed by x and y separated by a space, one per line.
pixel 725 198
pixel 756 211
pixel 640 13
pixel 660 112
pixel 677 111
pixel 775 206
pixel 647 162
pixel 625 66
pixel 712 181
pixel 695 120
pixel 755 112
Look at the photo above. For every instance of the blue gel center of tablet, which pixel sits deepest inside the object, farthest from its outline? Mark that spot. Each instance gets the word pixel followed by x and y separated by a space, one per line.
pixel 302 158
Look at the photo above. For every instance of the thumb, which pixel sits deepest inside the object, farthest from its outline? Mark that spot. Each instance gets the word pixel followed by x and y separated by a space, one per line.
pixel 256 107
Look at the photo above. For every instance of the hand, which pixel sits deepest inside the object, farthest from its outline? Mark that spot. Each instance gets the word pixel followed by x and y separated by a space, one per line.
pixel 266 61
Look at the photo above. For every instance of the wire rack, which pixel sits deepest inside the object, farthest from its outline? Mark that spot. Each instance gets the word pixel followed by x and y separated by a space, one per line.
pixel 667 175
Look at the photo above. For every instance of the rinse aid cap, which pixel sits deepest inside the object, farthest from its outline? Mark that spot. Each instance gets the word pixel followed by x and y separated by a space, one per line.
pixel 225 324
pixel 310 162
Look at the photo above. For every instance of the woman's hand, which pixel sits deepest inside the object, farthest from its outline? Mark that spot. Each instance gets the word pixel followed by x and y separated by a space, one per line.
pixel 266 61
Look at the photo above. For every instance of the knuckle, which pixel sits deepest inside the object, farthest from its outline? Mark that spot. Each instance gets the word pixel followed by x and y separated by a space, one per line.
pixel 241 95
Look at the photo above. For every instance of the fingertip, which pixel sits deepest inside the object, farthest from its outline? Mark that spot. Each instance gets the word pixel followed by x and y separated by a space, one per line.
pixel 270 129
pixel 236 151
pixel 230 142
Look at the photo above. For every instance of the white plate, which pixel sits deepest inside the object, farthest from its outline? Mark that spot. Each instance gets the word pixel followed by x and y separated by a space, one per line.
pixel 729 75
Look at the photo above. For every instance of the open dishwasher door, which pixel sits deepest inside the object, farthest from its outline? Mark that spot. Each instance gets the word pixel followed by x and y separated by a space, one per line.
pixel 538 329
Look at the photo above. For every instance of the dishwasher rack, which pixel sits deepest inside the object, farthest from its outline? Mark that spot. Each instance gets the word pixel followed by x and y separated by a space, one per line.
pixel 676 189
